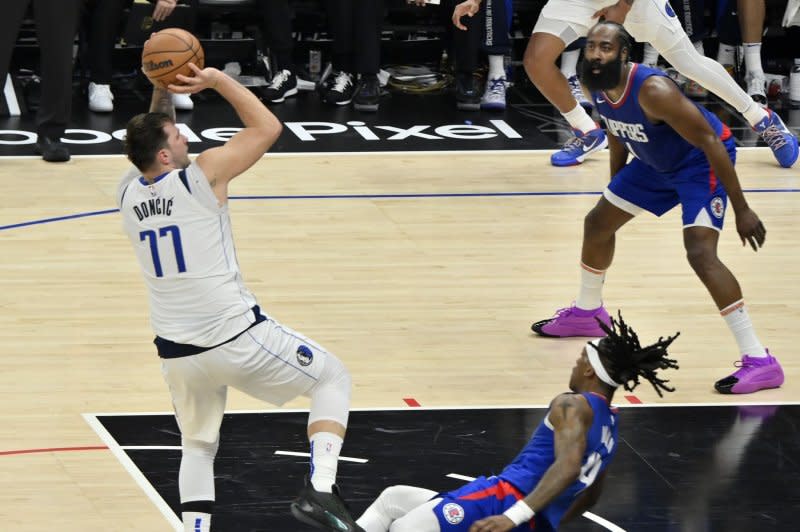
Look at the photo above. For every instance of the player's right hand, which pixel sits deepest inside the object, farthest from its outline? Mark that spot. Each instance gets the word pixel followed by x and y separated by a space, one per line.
pixel 206 78
pixel 750 229
pixel 468 8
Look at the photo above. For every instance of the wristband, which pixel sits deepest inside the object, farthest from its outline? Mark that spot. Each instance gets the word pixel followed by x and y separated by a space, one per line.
pixel 519 513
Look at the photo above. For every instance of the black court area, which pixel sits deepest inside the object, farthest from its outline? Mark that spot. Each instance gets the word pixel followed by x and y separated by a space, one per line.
pixel 678 468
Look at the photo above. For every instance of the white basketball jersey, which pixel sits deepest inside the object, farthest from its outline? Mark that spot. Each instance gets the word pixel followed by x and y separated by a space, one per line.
pixel 184 245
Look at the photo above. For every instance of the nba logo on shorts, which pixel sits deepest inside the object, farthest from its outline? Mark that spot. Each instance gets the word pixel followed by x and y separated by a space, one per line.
pixel 453 513
pixel 304 355
pixel 668 9
pixel 717 207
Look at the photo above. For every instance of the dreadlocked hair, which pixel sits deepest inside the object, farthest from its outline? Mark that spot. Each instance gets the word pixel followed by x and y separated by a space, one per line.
pixel 626 360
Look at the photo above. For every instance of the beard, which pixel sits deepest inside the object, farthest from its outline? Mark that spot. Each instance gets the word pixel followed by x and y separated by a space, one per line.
pixel 608 76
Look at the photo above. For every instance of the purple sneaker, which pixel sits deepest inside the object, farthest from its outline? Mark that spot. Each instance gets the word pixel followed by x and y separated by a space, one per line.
pixel 753 374
pixel 573 321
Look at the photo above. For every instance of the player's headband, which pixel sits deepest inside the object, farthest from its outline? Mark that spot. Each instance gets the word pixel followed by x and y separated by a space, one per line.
pixel 597 365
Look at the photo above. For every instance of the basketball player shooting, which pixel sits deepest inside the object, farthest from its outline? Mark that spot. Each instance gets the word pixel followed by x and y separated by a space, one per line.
pixel 210 331
pixel 559 473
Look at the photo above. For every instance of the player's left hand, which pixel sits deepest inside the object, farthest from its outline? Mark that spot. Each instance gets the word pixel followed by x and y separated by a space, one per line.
pixel 163 9
pixel 615 13
pixel 750 229
pixel 495 523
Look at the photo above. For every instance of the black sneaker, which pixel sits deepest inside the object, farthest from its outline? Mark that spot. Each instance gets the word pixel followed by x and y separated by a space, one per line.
pixel 283 85
pixel 339 88
pixel 467 96
pixel 368 94
pixel 323 510
pixel 52 150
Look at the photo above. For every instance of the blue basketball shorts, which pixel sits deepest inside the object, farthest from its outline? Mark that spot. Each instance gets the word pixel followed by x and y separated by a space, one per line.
pixel 479 499
pixel 638 187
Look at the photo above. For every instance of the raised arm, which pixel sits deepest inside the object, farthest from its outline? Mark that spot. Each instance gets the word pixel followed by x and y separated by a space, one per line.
pixel 571 417
pixel 661 100
pixel 261 127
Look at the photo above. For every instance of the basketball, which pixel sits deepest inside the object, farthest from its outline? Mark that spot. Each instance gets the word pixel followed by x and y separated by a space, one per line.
pixel 168 53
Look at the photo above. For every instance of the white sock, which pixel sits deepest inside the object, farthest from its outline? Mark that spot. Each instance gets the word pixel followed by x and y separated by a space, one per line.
pixel 754 114
pixel 590 296
pixel 698 45
pixel 650 55
pixel 580 120
pixel 196 522
pixel 569 63
pixel 325 448
pixel 752 59
pixel 726 55
pixel 739 323
pixel 496 68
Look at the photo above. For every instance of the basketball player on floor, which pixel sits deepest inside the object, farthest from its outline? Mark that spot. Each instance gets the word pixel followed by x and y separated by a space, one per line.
pixel 680 151
pixel 559 473
pixel 563 21
pixel 210 331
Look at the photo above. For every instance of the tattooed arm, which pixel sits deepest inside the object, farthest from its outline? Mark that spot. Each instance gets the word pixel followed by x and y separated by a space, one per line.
pixel 571 417
pixel 161 102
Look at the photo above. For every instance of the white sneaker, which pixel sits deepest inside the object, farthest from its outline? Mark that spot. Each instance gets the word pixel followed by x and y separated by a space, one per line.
pixel 494 97
pixel 757 89
pixel 577 93
pixel 100 98
pixel 182 102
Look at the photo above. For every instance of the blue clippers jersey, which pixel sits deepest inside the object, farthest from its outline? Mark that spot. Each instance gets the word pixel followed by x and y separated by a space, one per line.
pixel 529 466
pixel 658 146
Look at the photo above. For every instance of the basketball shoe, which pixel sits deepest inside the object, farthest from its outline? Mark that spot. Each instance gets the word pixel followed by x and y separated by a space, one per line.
pixel 754 374
pixel 323 510
pixel 579 148
pixel 573 321
pixel 779 139
pixel 282 86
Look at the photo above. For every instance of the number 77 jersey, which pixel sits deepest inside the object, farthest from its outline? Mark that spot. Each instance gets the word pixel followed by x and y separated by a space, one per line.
pixel 184 245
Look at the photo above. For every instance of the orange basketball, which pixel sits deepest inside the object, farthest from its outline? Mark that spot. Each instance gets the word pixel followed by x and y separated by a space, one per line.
pixel 168 53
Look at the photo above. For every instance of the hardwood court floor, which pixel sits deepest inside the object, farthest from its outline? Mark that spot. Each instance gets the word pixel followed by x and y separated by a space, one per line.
pixel 421 271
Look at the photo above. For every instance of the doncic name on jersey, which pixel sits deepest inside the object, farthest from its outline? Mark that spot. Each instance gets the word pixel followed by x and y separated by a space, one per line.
pixel 153 207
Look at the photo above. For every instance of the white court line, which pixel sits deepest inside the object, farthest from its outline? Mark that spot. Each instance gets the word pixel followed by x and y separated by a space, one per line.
pixel 134 472
pixel 605 523
pixel 308 455
pixel 357 153
pixel 454 407
pixel 151 447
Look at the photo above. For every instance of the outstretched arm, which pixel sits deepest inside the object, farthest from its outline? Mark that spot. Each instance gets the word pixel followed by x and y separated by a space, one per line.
pixel 571 417
pixel 661 100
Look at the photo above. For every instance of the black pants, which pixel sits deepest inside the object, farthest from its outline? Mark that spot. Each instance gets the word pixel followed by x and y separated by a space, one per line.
pixel 277 28
pixel 356 28
pixel 489 29
pixel 690 13
pixel 101 27
pixel 56 24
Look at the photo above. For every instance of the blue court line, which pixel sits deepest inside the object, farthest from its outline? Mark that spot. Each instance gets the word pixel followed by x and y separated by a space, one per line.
pixel 367 196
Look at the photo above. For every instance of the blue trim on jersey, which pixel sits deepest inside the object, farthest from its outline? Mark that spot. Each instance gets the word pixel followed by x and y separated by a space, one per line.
pixel 184 180
pixel 144 181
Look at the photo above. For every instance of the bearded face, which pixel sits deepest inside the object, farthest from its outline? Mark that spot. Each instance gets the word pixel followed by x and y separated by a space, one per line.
pixel 598 76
